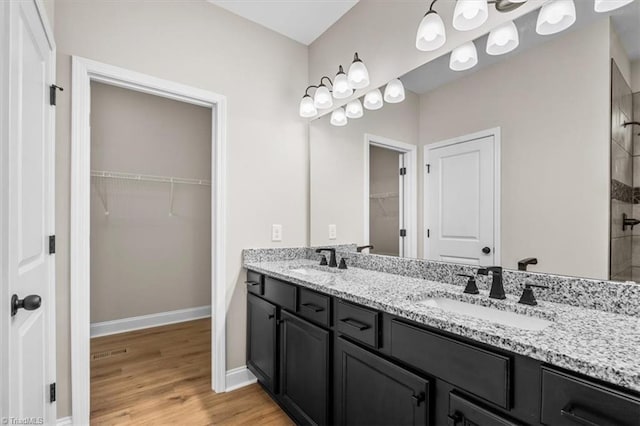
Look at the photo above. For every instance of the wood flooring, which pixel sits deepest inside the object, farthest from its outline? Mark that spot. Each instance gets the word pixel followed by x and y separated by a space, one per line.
pixel 162 376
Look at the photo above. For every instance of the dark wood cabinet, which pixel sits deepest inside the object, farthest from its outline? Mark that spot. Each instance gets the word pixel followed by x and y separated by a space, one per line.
pixel 373 391
pixel 262 341
pixel 304 367
pixel 463 412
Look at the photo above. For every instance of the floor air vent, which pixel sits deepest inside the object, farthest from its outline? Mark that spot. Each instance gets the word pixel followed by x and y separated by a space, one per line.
pixel 108 354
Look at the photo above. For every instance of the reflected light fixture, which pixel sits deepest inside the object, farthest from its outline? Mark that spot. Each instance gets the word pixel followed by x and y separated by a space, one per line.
pixel 503 39
pixel 307 108
pixel 609 5
pixel 341 87
pixel 470 14
pixel 322 99
pixel 373 100
pixel 394 92
pixel 556 16
pixel 463 57
pixel 338 117
pixel 431 33
pixel 358 75
pixel 354 109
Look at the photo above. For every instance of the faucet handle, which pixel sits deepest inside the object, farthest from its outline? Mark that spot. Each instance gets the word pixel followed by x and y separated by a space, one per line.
pixel 343 263
pixel 471 287
pixel 323 260
pixel 528 298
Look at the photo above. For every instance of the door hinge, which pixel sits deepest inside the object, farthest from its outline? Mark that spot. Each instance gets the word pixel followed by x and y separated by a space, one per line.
pixel 428 168
pixel 52 244
pixel 52 93
pixel 403 233
pixel 403 171
pixel 428 233
pixel 52 392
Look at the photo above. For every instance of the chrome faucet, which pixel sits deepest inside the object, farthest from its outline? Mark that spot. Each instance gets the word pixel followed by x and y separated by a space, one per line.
pixel 497 289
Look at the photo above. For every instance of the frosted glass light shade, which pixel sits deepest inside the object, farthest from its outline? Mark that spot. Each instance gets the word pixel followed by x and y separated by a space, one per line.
pixel 358 75
pixel 354 109
pixel 431 33
pixel 373 100
pixel 609 5
pixel 322 99
pixel 463 57
pixel 503 39
pixel 341 87
pixel 307 108
pixel 339 118
pixel 394 92
pixel 556 16
pixel 470 14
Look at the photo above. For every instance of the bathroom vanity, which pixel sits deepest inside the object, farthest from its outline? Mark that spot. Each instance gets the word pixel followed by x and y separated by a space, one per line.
pixel 360 346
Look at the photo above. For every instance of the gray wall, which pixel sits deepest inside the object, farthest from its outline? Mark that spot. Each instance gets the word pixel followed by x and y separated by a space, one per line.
pixel 144 261
pixel 260 72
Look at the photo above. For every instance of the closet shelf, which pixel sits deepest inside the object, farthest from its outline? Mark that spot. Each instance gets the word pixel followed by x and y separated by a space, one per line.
pixel 383 195
pixel 149 178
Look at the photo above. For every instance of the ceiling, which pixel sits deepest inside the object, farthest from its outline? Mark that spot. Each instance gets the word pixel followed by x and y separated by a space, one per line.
pixel 436 73
pixel 301 20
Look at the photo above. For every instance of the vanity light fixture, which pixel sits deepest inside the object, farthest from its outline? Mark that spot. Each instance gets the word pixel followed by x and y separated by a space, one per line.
pixel 503 39
pixel 470 14
pixel 609 5
pixel 556 16
pixel 338 117
pixel 358 75
pixel 322 99
pixel 394 92
pixel 373 100
pixel 431 33
pixel 463 57
pixel 307 108
pixel 354 109
pixel 341 87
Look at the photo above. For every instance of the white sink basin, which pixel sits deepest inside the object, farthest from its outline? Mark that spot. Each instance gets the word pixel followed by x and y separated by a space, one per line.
pixel 493 315
pixel 312 272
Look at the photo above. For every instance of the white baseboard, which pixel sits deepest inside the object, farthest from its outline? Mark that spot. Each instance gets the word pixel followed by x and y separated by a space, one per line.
pixel 64 421
pixel 238 378
pixel 147 321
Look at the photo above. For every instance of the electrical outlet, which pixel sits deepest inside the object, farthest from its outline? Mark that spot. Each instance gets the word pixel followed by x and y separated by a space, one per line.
pixel 333 233
pixel 276 232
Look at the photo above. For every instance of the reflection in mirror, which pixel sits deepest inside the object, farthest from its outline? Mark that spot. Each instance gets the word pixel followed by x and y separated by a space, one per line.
pixel 522 161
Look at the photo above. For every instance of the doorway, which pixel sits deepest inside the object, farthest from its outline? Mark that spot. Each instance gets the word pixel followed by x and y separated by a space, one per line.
pixel 85 72
pixel 390 197
pixel 462 199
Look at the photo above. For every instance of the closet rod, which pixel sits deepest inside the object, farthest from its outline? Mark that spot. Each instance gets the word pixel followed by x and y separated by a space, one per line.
pixel 149 178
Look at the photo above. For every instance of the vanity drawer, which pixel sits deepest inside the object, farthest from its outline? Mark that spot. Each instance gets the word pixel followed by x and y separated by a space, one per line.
pixel 463 412
pixel 570 400
pixel 255 283
pixel 280 293
pixel 360 323
pixel 482 373
pixel 314 307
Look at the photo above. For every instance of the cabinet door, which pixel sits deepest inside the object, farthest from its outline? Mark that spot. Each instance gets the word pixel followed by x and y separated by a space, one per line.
pixel 304 369
pixel 373 391
pixel 261 341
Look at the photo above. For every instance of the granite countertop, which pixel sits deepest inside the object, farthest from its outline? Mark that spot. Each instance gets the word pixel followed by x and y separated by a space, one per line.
pixel 599 344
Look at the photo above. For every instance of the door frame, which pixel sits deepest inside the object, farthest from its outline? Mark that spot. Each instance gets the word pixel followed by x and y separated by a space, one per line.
pixel 5 318
pixel 410 205
pixel 496 133
pixel 84 71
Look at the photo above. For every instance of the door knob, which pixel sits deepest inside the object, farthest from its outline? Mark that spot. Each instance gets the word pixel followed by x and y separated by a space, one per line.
pixel 486 250
pixel 29 303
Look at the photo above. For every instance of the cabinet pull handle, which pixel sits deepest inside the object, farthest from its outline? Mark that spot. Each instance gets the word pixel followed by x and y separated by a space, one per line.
pixel 355 324
pixel 313 307
pixel 454 419
pixel 251 283
pixel 418 398
pixel 568 412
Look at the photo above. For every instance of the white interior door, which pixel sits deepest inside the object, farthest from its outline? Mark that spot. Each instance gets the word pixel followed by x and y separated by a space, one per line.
pixel 460 201
pixel 29 220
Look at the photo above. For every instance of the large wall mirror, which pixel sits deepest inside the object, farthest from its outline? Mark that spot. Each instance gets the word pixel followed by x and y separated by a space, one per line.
pixel 523 156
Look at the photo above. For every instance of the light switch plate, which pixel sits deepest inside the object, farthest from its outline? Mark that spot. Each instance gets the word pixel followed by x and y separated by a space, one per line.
pixel 333 232
pixel 276 232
